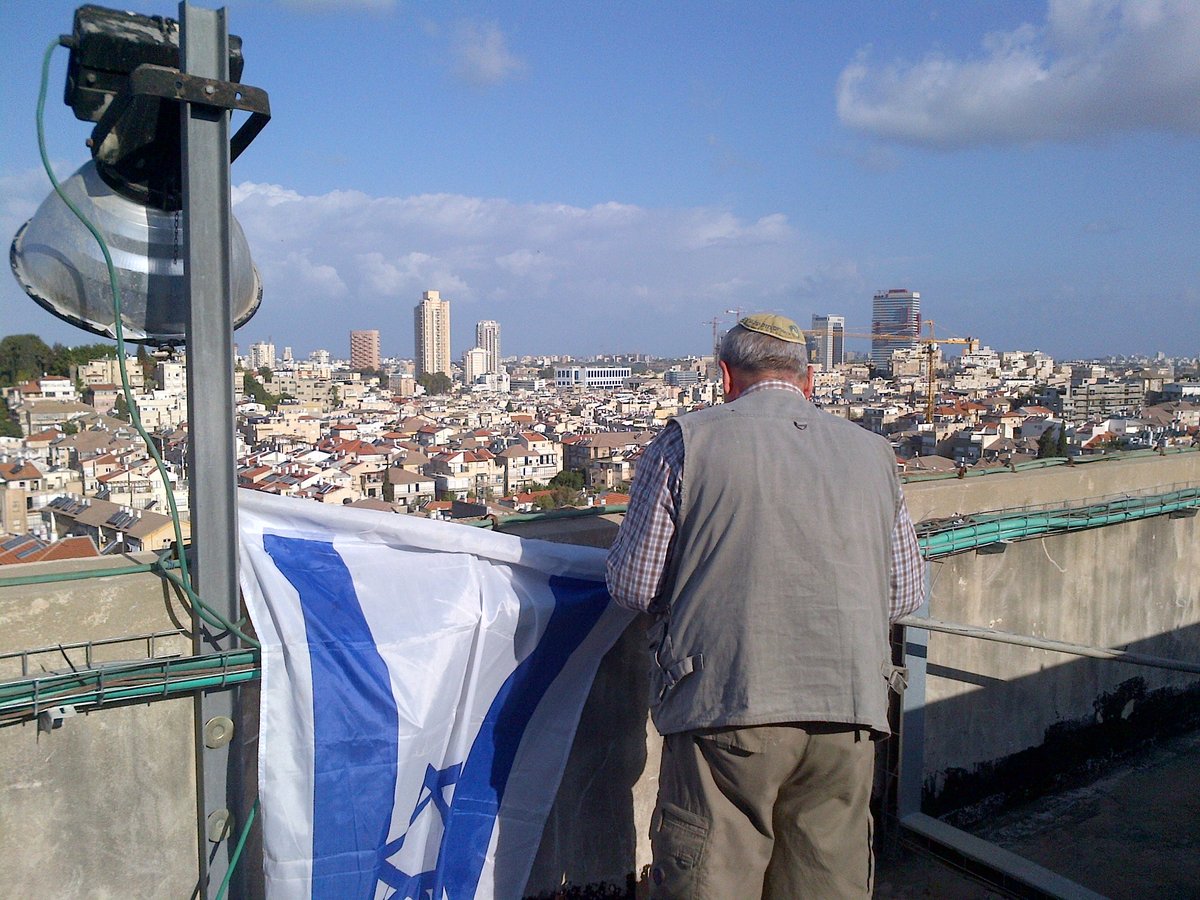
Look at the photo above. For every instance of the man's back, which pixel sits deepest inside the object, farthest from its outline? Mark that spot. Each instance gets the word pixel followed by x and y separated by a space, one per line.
pixel 778 589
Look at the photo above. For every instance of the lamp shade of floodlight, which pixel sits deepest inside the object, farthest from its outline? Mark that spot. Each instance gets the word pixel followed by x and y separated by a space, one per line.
pixel 60 265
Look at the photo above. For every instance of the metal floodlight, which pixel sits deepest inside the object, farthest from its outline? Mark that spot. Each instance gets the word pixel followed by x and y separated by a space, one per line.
pixel 124 75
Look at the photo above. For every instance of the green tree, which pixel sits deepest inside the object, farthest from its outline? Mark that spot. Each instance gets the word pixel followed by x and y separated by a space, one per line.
pixel 145 362
pixel 64 359
pixel 435 382
pixel 265 373
pixel 558 497
pixel 572 479
pixel 1046 445
pixel 253 388
pixel 1053 442
pixel 9 426
pixel 121 410
pixel 23 356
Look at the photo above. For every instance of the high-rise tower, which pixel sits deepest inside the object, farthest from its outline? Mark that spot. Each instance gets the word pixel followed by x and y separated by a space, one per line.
pixel 828 341
pixel 364 349
pixel 487 336
pixel 896 313
pixel 431 328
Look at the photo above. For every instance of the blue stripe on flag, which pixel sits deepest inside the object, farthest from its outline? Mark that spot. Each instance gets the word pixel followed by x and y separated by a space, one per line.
pixel 480 789
pixel 355 721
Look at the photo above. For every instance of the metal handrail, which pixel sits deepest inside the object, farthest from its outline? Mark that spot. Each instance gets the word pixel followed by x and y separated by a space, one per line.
pixel 1024 640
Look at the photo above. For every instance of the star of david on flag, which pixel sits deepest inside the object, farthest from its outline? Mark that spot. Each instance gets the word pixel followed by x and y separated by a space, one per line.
pixel 421 686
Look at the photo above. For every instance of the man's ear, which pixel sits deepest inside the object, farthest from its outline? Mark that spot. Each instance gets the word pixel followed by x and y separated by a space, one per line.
pixel 726 379
pixel 806 383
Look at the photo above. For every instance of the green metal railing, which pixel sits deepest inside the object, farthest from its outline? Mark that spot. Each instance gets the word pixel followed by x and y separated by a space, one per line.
pixel 954 535
pixel 151 679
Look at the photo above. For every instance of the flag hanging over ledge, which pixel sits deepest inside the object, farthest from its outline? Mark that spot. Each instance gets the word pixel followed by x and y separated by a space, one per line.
pixel 421 686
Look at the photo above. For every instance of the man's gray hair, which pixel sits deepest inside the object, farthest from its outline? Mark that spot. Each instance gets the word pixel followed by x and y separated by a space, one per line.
pixel 751 351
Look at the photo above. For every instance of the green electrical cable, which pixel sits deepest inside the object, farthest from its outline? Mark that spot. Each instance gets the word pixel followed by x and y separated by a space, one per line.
pixel 16 692
pixel 184 582
pixel 53 577
pixel 237 851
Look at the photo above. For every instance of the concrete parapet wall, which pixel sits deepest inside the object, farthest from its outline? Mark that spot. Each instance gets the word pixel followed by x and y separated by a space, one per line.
pixel 104 806
pixel 1133 586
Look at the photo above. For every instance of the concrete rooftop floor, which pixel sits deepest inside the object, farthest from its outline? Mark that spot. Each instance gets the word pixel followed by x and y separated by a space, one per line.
pixel 1134 833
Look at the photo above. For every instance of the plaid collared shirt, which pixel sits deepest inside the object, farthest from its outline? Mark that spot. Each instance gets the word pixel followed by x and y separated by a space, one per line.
pixel 641 554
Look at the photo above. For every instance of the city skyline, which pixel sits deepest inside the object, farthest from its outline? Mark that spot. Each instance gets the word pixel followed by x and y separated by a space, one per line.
pixel 1021 164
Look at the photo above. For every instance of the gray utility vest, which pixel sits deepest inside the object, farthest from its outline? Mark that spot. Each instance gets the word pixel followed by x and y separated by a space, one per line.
pixel 779 580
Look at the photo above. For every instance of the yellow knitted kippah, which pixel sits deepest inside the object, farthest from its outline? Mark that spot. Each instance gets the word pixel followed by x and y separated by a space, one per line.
pixel 776 326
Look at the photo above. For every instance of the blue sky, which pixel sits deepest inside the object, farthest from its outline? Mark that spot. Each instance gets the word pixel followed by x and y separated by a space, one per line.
pixel 607 177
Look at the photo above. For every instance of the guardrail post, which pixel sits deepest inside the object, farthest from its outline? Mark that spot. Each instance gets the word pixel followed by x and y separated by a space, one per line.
pixel 910 779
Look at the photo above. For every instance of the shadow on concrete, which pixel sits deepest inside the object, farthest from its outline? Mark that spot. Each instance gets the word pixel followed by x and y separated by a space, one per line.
pixel 1131 708
pixel 590 838
pixel 590 847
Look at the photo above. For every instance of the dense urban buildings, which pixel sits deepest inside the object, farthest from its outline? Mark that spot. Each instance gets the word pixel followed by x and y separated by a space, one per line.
pixel 431 327
pixel 487 337
pixel 827 341
pixel 364 350
pixel 366 430
pixel 896 319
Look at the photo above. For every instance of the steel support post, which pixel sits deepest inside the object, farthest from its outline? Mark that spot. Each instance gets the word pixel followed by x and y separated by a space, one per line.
pixel 204 44
pixel 912 713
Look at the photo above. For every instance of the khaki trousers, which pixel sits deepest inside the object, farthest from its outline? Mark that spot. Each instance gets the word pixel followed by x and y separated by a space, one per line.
pixel 778 811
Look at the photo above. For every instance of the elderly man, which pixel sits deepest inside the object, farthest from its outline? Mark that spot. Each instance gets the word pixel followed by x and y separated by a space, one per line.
pixel 771 542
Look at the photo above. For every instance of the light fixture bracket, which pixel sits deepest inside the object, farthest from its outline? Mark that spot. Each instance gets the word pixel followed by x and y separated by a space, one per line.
pixel 119 167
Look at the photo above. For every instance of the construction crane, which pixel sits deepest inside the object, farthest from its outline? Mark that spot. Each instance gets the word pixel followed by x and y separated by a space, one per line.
pixel 715 322
pixel 930 345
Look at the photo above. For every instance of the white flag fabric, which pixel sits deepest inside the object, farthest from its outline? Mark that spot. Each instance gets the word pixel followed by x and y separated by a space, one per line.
pixel 421 686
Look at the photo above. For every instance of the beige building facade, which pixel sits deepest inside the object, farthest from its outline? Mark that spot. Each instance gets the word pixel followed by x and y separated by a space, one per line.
pixel 431 326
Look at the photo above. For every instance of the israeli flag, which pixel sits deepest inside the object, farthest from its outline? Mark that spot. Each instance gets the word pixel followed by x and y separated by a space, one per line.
pixel 421 686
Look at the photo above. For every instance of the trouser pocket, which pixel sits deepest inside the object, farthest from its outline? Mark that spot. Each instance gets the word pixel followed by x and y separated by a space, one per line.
pixel 678 839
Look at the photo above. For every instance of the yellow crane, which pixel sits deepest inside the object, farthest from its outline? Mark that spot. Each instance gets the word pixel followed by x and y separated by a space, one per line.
pixel 930 344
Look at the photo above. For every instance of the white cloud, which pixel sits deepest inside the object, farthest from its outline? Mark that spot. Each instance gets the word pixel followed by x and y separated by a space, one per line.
pixel 1093 68
pixel 313 278
pixel 559 278
pixel 481 55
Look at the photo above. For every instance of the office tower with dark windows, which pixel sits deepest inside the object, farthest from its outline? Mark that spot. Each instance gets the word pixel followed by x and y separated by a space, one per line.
pixel 431 329
pixel 364 349
pixel 827 341
pixel 487 336
pixel 895 325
